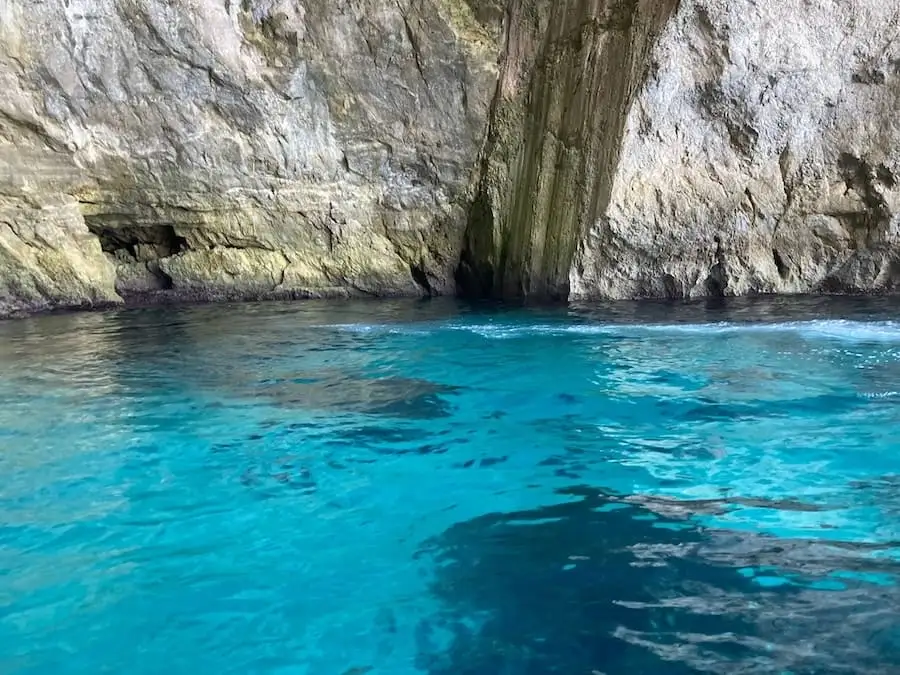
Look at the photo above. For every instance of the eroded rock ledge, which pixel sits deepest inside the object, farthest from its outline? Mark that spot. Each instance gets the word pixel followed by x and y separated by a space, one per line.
pixel 509 148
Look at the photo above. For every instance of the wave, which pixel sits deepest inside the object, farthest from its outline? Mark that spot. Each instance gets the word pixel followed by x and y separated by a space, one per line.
pixel 832 329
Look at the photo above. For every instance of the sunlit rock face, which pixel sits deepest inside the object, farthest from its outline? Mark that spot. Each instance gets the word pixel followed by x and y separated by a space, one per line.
pixel 522 148
pixel 762 155
pixel 245 148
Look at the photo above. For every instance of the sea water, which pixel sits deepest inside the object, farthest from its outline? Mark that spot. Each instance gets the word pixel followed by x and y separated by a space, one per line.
pixel 336 488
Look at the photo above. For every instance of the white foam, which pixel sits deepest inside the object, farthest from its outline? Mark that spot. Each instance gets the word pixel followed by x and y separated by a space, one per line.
pixel 397 329
pixel 882 394
pixel 879 331
pixel 836 329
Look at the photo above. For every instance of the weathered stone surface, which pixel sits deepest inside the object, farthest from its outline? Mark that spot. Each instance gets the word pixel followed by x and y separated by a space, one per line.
pixel 762 156
pixel 48 258
pixel 570 71
pixel 565 149
pixel 282 146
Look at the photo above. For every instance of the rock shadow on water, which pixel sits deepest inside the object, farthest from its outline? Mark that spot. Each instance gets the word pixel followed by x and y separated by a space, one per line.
pixel 395 397
pixel 605 584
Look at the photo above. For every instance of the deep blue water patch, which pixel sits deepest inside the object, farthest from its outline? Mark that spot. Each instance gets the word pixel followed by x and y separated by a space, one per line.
pixel 582 587
pixel 331 488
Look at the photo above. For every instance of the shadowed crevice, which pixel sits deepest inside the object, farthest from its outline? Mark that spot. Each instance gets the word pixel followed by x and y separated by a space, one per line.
pixel 137 252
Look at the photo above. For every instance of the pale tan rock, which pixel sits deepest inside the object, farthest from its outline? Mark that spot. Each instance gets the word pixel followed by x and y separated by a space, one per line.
pixel 49 259
pixel 762 156
pixel 309 147
pixel 597 149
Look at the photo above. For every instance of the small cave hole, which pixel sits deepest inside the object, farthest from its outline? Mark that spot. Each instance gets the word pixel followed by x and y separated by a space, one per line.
pixel 671 287
pixel 141 243
pixel 717 281
pixel 886 176
pixel 133 247
pixel 782 267
pixel 421 278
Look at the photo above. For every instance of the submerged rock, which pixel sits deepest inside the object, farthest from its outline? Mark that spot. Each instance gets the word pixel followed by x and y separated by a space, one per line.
pixel 394 397
pixel 612 584
pixel 298 148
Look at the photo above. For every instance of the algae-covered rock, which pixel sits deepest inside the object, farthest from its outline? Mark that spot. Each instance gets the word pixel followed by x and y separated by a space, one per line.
pixel 49 259
pixel 568 78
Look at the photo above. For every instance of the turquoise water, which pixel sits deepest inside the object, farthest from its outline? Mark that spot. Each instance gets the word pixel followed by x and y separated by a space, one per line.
pixel 339 489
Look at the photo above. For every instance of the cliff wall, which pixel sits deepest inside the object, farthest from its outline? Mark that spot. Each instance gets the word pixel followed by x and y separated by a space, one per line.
pixel 238 147
pixel 506 148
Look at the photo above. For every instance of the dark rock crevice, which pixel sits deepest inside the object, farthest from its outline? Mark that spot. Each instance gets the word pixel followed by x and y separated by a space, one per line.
pixel 137 252
pixel 868 182
pixel 717 280
pixel 421 278
pixel 568 77
pixel 784 270
pixel 159 239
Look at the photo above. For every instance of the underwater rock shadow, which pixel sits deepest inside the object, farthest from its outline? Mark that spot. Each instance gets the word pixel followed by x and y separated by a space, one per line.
pixel 601 585
pixel 392 397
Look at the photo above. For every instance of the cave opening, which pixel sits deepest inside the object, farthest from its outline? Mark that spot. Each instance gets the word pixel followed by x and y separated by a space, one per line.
pixel 136 251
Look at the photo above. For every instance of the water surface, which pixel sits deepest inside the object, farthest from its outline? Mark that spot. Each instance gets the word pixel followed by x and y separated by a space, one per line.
pixel 403 488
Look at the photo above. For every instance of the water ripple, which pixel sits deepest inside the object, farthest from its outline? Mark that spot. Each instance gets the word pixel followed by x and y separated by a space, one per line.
pixel 336 488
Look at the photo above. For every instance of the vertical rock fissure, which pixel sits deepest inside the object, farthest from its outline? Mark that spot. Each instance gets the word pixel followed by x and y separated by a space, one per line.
pixel 570 72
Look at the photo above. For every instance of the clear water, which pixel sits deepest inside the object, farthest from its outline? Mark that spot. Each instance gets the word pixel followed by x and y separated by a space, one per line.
pixel 339 489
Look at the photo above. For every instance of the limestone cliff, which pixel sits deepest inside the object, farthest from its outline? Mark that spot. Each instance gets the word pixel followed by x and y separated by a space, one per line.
pixel 647 148
pixel 237 148
pixel 536 148
pixel 761 156
pixel 570 71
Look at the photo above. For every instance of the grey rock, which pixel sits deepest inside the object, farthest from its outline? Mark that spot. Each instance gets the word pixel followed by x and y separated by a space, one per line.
pixel 761 156
pixel 284 146
pixel 304 148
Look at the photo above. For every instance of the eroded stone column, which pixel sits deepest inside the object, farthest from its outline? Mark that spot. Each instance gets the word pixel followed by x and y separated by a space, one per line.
pixel 570 72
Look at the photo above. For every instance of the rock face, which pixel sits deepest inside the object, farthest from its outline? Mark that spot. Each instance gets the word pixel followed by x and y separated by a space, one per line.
pixel 237 147
pixel 570 72
pixel 705 147
pixel 761 156
pixel 512 148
